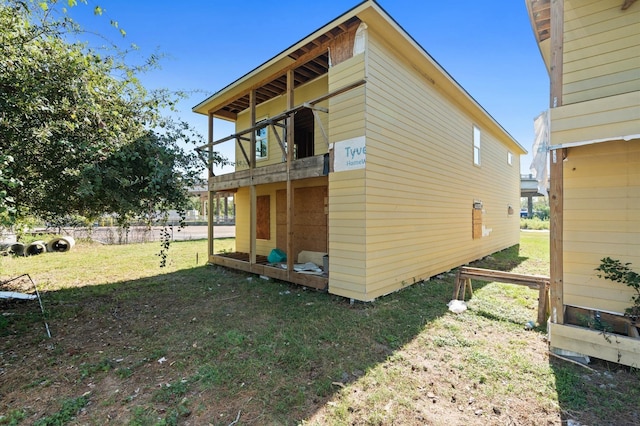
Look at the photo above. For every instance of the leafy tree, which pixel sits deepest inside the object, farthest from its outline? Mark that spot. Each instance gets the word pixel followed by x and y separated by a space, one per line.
pixel 63 107
pixel 7 207
pixel 148 175
pixel 86 136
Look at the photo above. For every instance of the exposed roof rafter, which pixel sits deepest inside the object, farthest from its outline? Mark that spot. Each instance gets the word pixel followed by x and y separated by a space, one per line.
pixel 313 61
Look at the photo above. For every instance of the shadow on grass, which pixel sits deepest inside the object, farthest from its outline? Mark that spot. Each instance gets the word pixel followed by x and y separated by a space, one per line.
pixel 504 260
pixel 582 393
pixel 205 343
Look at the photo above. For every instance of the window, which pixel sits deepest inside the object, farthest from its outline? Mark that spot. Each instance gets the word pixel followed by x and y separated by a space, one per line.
pixel 262 143
pixel 476 145
pixel 510 158
pixel 303 133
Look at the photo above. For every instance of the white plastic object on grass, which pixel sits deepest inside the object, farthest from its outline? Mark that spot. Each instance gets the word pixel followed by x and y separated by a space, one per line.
pixel 457 306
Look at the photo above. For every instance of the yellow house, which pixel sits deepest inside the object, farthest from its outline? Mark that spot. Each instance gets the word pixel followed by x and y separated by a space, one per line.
pixel 356 149
pixel 592 51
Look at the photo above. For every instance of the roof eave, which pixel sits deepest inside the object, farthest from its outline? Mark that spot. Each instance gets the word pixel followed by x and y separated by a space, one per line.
pixel 281 60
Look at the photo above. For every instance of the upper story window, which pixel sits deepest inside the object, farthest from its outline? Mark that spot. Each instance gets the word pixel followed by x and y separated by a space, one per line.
pixel 262 144
pixel 510 158
pixel 476 145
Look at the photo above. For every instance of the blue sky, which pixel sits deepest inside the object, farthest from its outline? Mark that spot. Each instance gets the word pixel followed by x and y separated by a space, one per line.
pixel 487 47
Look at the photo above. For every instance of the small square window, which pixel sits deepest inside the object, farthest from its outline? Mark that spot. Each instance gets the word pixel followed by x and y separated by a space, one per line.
pixel 510 158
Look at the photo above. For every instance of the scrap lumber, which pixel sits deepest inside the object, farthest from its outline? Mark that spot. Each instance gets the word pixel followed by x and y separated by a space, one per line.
pixel 540 282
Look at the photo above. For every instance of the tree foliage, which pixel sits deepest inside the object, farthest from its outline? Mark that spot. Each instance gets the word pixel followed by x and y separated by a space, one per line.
pixel 84 135
pixel 149 175
pixel 7 205
pixel 615 270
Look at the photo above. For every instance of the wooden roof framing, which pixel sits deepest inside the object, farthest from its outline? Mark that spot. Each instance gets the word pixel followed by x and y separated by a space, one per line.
pixel 309 62
pixel 540 16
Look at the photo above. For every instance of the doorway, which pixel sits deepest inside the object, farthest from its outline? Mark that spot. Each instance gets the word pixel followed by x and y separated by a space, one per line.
pixel 303 134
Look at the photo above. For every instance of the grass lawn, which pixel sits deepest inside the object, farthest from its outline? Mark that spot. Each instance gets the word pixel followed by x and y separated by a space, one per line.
pixel 193 344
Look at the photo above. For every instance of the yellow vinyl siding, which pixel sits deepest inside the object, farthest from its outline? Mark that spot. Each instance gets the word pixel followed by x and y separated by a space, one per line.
pixel 346 111
pixel 601 205
pixel 421 182
pixel 274 107
pixel 615 116
pixel 347 221
pixel 601 44
pixel 263 247
pixel 242 220
pixel 347 242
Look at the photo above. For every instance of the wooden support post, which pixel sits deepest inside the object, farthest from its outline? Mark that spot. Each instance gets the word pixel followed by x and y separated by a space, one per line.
pixel 290 195
pixel 557 42
pixel 556 235
pixel 556 170
pixel 252 188
pixel 462 284
pixel 218 206
pixel 543 302
pixel 210 230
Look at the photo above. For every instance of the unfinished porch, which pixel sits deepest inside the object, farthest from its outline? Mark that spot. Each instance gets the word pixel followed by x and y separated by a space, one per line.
pixel 241 261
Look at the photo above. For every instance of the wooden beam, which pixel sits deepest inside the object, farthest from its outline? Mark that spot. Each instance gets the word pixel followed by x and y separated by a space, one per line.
pixel 279 139
pixel 557 47
pixel 210 233
pixel 303 168
pixel 619 349
pixel 530 281
pixel 290 195
pixel 227 115
pixel 540 282
pixel 556 266
pixel 210 150
pixel 282 116
pixel 252 188
pixel 301 60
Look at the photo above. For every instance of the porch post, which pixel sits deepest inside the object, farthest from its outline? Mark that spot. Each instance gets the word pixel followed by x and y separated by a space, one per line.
pixel 218 206
pixel 556 266
pixel 252 188
pixel 210 233
pixel 557 48
pixel 290 148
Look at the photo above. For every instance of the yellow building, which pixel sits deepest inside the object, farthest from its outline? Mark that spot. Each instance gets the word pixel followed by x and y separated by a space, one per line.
pixel 592 51
pixel 355 144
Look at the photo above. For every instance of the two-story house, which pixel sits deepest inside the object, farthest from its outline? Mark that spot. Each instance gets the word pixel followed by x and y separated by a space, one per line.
pixel 356 144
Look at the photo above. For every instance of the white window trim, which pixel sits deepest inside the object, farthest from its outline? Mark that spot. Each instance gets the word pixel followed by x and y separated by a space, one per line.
pixel 266 139
pixel 477 138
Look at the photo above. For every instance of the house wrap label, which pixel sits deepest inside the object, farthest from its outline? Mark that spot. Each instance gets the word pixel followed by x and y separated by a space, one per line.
pixel 350 154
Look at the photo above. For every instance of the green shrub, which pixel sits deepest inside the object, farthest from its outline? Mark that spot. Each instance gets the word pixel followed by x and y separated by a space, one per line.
pixel 534 223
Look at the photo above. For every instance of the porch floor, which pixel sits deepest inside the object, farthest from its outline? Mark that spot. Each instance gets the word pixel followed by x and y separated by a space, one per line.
pixel 241 262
